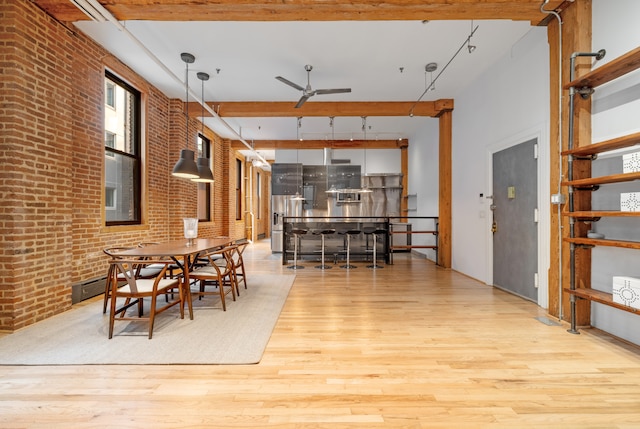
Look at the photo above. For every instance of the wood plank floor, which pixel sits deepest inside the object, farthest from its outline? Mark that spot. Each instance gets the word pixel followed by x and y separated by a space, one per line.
pixel 407 346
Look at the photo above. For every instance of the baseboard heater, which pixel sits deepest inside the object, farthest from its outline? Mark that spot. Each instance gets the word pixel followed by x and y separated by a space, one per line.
pixel 87 289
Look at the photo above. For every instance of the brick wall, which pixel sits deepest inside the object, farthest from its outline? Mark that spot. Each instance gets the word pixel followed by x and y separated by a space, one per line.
pixel 37 165
pixel 51 166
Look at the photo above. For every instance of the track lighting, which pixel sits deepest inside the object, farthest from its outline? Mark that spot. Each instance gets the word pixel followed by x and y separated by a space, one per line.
pixel 471 47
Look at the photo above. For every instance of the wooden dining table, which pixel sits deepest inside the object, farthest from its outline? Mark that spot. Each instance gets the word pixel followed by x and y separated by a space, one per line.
pixel 183 252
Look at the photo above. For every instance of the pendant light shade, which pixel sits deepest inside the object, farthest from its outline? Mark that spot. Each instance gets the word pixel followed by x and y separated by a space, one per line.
pixel 204 170
pixel 186 167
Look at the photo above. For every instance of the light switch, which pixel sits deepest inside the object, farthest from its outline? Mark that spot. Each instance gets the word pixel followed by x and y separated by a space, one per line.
pixel 511 192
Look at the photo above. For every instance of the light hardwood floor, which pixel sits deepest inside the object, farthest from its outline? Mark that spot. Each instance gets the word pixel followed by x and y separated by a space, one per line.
pixel 407 346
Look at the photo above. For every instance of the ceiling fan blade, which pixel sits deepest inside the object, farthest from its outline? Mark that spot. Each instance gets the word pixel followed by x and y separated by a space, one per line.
pixel 302 101
pixel 333 91
pixel 288 82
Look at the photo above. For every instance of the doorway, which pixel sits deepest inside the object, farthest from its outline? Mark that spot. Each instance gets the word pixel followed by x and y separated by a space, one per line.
pixel 515 220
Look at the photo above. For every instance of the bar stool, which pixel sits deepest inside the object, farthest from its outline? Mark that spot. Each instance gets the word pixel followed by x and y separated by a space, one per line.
pixel 297 233
pixel 375 233
pixel 349 233
pixel 323 233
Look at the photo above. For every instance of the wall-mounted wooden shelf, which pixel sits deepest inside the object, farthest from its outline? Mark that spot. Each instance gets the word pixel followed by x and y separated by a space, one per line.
pixel 607 72
pixel 600 297
pixel 603 242
pixel 603 180
pixel 605 146
pixel 581 260
pixel 599 214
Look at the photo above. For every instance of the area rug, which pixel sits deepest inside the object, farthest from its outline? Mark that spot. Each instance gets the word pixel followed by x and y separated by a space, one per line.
pixel 79 336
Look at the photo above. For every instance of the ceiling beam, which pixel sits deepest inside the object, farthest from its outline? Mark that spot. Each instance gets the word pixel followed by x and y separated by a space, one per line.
pixel 308 10
pixel 273 109
pixel 321 144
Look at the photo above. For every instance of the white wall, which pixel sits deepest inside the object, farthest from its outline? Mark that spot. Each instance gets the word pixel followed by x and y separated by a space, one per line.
pixel 616 111
pixel 505 104
pixel 423 180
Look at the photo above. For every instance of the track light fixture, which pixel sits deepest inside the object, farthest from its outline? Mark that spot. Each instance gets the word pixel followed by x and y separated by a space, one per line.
pixel 471 47
pixel 430 68
pixel 465 43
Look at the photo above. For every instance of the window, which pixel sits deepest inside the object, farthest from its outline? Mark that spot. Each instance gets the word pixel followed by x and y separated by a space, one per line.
pixel 110 141
pixel 204 189
pixel 110 198
pixel 110 94
pixel 238 189
pixel 122 152
pixel 258 195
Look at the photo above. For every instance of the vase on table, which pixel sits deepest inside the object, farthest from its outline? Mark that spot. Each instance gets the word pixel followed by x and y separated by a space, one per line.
pixel 190 229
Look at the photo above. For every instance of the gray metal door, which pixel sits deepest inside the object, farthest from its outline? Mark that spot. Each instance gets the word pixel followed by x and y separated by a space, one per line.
pixel 515 228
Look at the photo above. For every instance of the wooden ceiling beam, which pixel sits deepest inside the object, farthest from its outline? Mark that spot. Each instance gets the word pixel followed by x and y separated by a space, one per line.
pixel 308 10
pixel 274 109
pixel 321 144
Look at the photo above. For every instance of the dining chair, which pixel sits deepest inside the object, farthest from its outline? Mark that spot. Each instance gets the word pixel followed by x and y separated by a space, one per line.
pixel 172 269
pixel 136 289
pixel 218 273
pixel 113 253
pixel 238 264
pixel 143 271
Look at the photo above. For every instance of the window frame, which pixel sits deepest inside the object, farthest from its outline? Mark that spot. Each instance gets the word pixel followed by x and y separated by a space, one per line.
pixel 239 189
pixel 204 149
pixel 136 147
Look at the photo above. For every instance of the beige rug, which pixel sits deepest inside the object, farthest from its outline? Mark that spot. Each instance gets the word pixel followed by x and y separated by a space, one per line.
pixel 79 336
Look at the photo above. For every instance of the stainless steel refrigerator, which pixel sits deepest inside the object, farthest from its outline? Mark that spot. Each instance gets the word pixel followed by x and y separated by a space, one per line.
pixel 281 207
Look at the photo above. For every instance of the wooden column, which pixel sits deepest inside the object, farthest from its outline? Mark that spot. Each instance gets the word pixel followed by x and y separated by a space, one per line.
pixel 576 37
pixel 404 169
pixel 554 293
pixel 444 199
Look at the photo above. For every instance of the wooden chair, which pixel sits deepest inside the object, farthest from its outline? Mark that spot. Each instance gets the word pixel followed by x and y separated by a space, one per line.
pixel 219 273
pixel 143 271
pixel 113 253
pixel 238 264
pixel 172 269
pixel 136 289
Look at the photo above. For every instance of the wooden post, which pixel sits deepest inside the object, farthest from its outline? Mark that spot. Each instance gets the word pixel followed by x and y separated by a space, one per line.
pixel 444 200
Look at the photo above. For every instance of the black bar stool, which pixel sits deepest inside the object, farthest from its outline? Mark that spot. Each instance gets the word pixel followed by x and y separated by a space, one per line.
pixel 349 233
pixel 323 233
pixel 375 233
pixel 297 233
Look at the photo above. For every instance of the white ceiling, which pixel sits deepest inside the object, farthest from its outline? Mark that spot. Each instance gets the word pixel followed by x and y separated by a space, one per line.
pixel 243 59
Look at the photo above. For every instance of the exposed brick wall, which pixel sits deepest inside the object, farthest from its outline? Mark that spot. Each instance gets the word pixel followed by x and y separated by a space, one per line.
pixel 51 166
pixel 36 157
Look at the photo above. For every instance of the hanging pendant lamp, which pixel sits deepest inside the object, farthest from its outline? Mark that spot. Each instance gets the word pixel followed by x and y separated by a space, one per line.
pixel 204 169
pixel 186 167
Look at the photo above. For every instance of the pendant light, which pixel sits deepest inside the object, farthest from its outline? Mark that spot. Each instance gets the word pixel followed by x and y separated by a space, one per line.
pixel 204 169
pixel 298 196
pixel 363 181
pixel 186 167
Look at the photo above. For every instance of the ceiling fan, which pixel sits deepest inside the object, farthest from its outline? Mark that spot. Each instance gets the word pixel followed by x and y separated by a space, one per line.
pixel 308 92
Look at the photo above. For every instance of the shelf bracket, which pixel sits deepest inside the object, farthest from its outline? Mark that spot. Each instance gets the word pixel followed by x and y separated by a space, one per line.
pixel 591 157
pixel 586 187
pixel 585 246
pixel 585 92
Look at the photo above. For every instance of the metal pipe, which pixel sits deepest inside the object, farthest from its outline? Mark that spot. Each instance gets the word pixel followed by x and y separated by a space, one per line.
pixel 572 92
